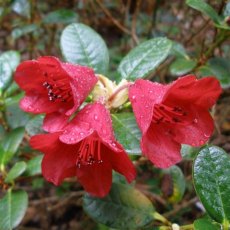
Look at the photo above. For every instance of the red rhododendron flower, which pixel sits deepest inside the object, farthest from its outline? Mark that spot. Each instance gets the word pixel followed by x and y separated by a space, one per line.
pixel 54 88
pixel 86 148
pixel 169 115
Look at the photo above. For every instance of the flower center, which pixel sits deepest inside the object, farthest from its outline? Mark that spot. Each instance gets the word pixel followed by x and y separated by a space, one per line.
pixel 166 114
pixel 58 89
pixel 89 152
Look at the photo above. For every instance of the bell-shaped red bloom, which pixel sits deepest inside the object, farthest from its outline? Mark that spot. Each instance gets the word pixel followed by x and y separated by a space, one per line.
pixel 174 114
pixel 86 148
pixel 54 88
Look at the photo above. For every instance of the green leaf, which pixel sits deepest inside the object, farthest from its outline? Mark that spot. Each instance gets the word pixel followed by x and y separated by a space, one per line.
pixel 178 50
pixel 127 132
pixel 14 115
pixel 189 152
pixel 144 59
pixel 8 63
pixel 226 12
pixel 10 144
pixel 34 166
pixel 16 171
pixel 211 174
pixel 34 126
pixel 178 183
pixel 182 66
pixel 64 16
pixel 22 7
pixel 23 30
pixel 12 209
pixel 82 45
pixel 202 224
pixel 218 67
pixel 123 208
pixel 205 8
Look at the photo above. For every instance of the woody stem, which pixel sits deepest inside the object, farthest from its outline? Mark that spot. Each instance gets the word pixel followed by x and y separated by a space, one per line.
pixel 119 90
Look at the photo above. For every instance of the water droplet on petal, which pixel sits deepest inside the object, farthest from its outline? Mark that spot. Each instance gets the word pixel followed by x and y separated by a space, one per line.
pixel 72 139
pixel 95 117
pixel 134 98
pixel 81 133
pixel 150 91
pixel 207 135
pixel 195 121
pixel 201 142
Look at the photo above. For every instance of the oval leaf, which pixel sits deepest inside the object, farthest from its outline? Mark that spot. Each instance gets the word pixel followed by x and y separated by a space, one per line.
pixel 60 16
pixel 16 171
pixel 10 144
pixel 205 8
pixel 143 59
pixel 203 223
pixel 34 166
pixel 211 174
pixel 127 132
pixel 8 62
pixel 218 67
pixel 12 209
pixel 34 126
pixel 176 186
pixel 182 66
pixel 82 45
pixel 124 208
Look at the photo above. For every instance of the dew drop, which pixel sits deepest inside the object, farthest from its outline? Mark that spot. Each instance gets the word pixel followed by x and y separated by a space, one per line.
pixel 195 121
pixel 133 97
pixel 207 135
pixel 150 91
pixel 201 142
pixel 81 133
pixel 95 117
pixel 72 139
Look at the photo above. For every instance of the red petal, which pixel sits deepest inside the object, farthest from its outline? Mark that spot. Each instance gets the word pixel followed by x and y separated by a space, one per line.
pixel 188 89
pixel 96 179
pixel 143 95
pixel 59 161
pixel 82 81
pixel 122 164
pixel 44 142
pixel 93 117
pixel 29 76
pixel 198 132
pixel 158 145
pixel 35 103
pixel 55 122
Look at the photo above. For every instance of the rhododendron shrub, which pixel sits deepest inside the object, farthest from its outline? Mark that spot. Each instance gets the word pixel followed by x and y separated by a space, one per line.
pixel 100 132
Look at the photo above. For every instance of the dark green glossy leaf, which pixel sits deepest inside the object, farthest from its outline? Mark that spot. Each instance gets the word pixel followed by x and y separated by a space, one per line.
pixel 16 171
pixel 182 66
pixel 127 132
pixel 8 63
pixel 23 30
pixel 10 144
pixel 178 184
pixel 82 45
pixel 178 50
pixel 218 67
pixel 123 208
pixel 205 8
pixel 12 209
pixel 60 16
pixel 202 224
pixel 34 166
pixel 14 115
pixel 211 174
pixel 34 126
pixel 143 59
